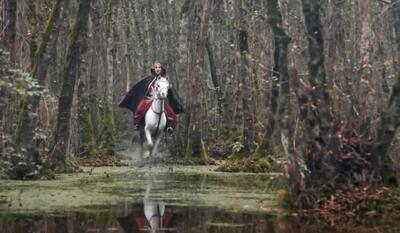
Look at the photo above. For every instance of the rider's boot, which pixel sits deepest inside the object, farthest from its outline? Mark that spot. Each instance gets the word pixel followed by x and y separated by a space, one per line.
pixel 170 130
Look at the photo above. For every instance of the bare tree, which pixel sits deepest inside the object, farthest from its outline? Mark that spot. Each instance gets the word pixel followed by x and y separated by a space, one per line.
pixel 43 56
pixel 60 142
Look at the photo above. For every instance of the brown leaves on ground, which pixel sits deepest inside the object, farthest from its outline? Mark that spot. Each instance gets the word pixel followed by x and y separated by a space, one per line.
pixel 102 161
pixel 363 200
pixel 220 149
pixel 343 208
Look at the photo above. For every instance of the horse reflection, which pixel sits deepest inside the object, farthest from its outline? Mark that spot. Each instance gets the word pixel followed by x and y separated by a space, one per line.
pixel 153 216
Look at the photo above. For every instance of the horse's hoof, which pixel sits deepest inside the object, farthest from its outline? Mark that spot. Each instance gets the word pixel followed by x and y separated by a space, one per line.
pixel 146 155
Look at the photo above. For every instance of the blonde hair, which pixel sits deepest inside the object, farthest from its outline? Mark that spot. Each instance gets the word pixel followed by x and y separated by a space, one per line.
pixel 156 62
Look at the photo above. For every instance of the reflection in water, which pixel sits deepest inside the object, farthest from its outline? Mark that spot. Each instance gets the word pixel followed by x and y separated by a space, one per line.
pixel 132 219
pixel 152 217
pixel 137 221
pixel 200 207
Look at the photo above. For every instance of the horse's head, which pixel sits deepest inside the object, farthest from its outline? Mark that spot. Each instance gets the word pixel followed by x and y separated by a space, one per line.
pixel 162 86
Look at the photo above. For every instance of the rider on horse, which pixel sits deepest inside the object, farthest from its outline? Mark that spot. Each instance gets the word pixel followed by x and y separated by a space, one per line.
pixel 139 99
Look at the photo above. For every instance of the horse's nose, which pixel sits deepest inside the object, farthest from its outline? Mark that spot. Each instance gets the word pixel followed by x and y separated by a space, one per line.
pixel 163 94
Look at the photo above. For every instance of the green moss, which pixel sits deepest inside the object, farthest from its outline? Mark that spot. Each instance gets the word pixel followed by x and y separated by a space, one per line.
pixel 45 36
pixel 188 153
pixel 19 118
pixel 192 185
pixel 108 139
pixel 185 7
pixel 204 153
pixel 90 139
pixel 238 163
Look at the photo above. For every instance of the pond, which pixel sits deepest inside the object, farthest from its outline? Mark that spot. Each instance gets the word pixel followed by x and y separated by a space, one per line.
pixel 158 199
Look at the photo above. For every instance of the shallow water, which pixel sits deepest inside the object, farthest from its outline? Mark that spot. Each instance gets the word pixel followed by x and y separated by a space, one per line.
pixel 158 198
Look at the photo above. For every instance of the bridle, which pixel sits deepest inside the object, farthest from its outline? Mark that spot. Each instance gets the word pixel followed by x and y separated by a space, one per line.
pixel 156 97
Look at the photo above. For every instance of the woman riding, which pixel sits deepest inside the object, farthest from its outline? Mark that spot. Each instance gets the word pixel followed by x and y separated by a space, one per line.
pixel 139 99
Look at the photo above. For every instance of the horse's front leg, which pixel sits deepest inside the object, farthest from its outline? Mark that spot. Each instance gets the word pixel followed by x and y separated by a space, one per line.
pixel 150 143
pixel 148 137
pixel 155 148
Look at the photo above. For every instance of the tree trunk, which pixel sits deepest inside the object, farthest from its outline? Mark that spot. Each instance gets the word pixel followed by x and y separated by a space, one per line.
pixel 391 117
pixel 97 66
pixel 242 40
pixel 9 25
pixel 396 16
pixel 280 72
pixel 214 76
pixel 197 143
pixel 320 134
pixel 129 50
pixel 153 30
pixel 364 97
pixel 140 34
pixel 61 136
pixel 108 132
pixel 43 56
pixel 86 139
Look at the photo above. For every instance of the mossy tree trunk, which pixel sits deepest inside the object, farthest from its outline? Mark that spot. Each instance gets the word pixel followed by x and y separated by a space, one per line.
pixel 108 133
pixel 319 120
pixel 41 61
pixel 87 146
pixel 97 66
pixel 61 136
pixel 87 138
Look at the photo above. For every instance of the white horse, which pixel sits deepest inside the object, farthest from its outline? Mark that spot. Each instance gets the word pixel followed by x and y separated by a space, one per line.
pixel 155 118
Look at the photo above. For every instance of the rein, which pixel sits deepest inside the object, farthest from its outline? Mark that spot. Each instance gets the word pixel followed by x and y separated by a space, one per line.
pixel 162 107
pixel 156 97
pixel 158 113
